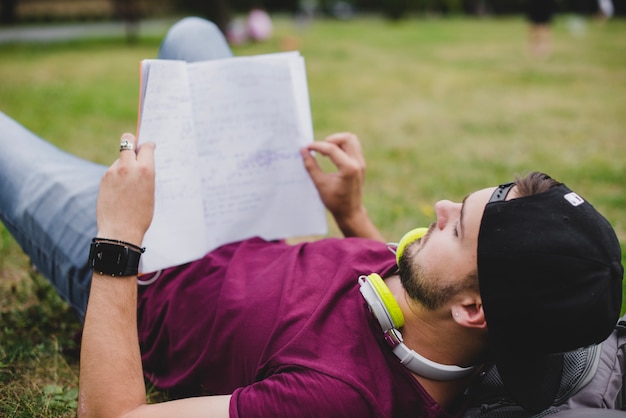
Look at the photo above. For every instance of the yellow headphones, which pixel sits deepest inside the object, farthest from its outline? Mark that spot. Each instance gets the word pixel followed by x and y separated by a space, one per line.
pixel 386 309
pixel 411 236
pixel 381 301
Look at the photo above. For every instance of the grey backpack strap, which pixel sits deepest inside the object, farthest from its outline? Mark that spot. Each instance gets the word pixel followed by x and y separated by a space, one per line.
pixel 592 377
pixel 621 329
pixel 607 388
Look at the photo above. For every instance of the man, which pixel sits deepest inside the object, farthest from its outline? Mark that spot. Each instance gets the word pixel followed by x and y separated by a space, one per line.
pixel 260 328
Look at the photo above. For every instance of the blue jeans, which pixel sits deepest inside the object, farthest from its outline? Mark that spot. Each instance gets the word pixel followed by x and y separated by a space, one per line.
pixel 48 197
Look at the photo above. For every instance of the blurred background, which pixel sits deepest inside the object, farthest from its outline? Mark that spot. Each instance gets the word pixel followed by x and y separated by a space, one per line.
pixel 14 11
pixel 223 11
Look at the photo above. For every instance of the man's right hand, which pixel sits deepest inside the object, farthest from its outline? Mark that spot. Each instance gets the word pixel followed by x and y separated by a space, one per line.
pixel 341 191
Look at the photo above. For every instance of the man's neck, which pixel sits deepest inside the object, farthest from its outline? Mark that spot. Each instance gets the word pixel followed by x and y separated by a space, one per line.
pixel 448 394
pixel 437 337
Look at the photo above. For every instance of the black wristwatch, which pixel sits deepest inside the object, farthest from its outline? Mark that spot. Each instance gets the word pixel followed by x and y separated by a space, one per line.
pixel 114 258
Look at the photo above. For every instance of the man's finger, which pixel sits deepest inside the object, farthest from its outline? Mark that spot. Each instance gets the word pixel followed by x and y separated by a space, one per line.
pixel 310 164
pixel 128 147
pixel 339 157
pixel 348 142
pixel 145 153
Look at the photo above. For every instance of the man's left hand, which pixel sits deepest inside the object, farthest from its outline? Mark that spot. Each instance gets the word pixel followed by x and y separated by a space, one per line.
pixel 125 204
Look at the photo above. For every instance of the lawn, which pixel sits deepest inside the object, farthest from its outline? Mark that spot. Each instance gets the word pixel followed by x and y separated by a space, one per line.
pixel 442 106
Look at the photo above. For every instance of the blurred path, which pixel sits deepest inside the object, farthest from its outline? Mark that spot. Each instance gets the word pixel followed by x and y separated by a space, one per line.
pixel 62 32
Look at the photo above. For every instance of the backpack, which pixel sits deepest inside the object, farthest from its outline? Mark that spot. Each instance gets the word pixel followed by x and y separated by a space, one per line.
pixel 592 377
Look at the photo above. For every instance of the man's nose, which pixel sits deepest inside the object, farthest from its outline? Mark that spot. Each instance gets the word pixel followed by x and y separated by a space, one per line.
pixel 446 211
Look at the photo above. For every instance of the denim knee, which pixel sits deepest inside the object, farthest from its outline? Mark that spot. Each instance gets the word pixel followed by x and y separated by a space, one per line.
pixel 194 39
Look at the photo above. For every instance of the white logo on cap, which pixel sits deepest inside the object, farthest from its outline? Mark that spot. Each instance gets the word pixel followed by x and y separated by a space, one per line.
pixel 574 199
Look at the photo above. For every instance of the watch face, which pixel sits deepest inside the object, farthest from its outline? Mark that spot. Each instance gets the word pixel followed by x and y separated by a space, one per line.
pixel 109 258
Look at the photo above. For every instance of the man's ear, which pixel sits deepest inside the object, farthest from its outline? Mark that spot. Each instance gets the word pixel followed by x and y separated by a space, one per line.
pixel 468 312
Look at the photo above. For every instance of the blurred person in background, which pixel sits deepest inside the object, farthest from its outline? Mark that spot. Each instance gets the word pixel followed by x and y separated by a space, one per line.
pixel 540 14
pixel 605 10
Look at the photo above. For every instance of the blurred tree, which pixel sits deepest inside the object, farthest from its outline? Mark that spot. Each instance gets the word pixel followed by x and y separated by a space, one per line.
pixel 7 11
pixel 130 12
pixel 280 5
pixel 218 11
pixel 396 9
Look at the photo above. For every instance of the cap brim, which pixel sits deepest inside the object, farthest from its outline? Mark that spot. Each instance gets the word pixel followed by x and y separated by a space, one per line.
pixel 532 382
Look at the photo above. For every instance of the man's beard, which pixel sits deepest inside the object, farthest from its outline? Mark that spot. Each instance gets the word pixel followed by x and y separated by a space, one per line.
pixel 423 288
pixel 428 289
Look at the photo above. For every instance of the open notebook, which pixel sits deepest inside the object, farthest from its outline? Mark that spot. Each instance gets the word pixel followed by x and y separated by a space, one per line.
pixel 227 134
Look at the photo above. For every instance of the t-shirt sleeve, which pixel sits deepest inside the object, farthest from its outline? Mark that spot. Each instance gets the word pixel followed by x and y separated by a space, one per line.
pixel 300 393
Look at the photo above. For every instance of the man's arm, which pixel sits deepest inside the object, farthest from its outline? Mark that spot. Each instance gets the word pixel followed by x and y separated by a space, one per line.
pixel 341 191
pixel 111 377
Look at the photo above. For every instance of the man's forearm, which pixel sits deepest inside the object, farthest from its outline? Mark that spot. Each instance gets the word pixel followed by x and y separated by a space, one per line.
pixel 111 377
pixel 359 225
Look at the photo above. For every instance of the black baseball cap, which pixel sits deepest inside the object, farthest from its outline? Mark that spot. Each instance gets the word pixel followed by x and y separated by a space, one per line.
pixel 550 276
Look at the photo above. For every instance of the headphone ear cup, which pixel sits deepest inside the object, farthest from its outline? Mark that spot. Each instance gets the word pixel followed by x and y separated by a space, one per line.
pixel 386 310
pixel 409 237
pixel 387 299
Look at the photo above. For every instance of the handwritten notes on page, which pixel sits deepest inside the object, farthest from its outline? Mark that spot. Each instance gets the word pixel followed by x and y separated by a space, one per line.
pixel 228 134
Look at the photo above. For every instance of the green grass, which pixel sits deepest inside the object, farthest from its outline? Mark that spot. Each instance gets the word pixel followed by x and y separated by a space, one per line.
pixel 443 107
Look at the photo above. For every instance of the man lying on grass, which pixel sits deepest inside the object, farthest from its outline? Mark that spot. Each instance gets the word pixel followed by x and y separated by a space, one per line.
pixel 514 275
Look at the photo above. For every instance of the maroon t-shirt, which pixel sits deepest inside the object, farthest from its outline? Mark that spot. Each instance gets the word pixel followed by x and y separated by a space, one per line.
pixel 283 328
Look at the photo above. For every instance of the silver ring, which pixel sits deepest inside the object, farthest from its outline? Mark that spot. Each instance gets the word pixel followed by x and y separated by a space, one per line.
pixel 126 145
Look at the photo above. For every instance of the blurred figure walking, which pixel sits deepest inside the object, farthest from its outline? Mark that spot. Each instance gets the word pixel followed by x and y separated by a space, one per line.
pixel 540 14
pixel 605 9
